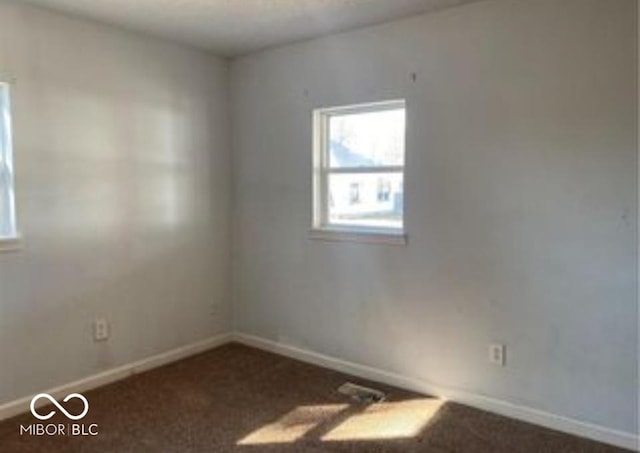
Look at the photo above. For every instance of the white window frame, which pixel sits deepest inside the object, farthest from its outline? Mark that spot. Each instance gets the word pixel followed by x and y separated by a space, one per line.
pixel 322 228
pixel 12 242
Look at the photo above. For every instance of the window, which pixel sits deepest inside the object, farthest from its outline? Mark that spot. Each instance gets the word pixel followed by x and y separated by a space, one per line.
pixel 359 155
pixel 8 230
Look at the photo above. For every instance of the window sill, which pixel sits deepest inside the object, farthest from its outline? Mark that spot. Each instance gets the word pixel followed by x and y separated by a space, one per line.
pixel 363 236
pixel 11 244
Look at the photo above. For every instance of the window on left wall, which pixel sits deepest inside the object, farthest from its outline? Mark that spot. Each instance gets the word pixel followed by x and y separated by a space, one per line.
pixel 8 225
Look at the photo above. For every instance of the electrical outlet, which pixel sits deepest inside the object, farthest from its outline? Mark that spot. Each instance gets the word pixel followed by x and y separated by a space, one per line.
pixel 100 329
pixel 498 354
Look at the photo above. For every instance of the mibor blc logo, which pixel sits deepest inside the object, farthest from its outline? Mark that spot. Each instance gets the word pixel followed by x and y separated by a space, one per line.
pixel 59 429
pixel 60 408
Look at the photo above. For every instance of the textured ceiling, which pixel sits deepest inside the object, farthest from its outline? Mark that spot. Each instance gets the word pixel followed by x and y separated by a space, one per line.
pixel 235 27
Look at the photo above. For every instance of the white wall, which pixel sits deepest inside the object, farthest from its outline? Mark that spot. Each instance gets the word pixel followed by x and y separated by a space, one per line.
pixel 521 203
pixel 121 147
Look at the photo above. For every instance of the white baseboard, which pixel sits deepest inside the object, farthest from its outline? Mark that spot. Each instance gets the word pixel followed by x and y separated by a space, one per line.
pixel 527 414
pixel 21 405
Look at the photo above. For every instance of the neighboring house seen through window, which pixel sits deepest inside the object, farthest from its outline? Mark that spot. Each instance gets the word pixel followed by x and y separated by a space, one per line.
pixel 359 157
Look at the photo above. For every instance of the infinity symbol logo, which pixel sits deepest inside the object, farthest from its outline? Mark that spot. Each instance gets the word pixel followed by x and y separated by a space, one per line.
pixel 56 404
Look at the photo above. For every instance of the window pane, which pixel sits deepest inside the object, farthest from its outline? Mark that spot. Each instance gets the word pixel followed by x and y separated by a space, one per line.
pixel 367 139
pixel 7 209
pixel 6 214
pixel 4 117
pixel 366 199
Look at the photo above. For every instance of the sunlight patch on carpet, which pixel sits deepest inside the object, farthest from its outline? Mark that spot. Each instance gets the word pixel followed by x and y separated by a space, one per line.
pixel 397 420
pixel 293 425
